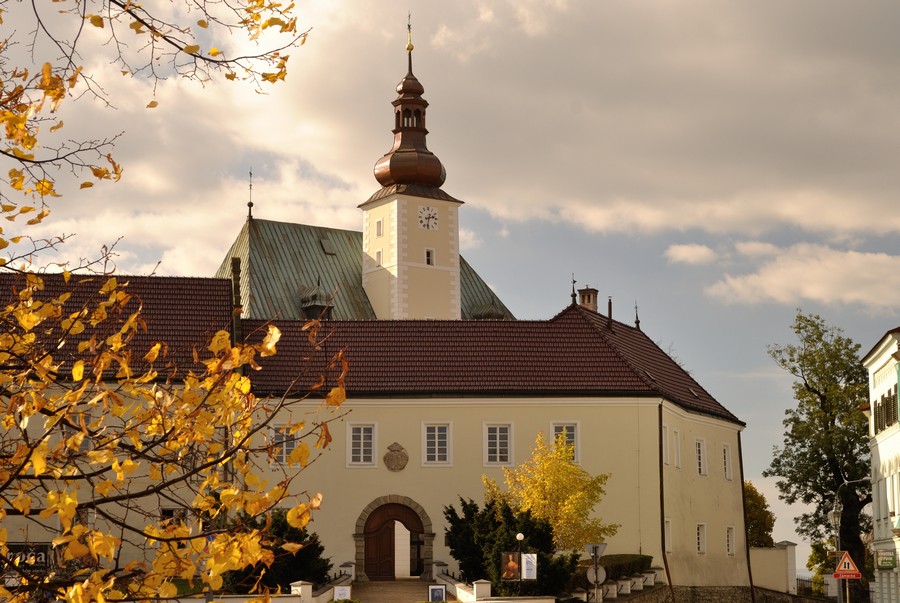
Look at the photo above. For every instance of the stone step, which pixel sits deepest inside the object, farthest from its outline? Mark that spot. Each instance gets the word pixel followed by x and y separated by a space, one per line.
pixel 398 591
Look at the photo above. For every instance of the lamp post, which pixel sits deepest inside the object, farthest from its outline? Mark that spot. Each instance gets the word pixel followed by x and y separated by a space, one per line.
pixel 834 518
pixel 520 537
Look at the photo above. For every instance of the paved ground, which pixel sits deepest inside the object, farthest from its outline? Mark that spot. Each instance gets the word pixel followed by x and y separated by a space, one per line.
pixel 401 591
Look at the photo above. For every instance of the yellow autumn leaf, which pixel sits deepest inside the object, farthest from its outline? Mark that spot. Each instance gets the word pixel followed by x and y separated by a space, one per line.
pixel 336 396
pixel 86 184
pixel 57 127
pixel 96 20
pixel 268 344
pixel 324 436
pixel 44 213
pixel 152 355
pixel 299 455
pixel 316 501
pixel 230 75
pixel 202 23
pixel 152 104
pixel 39 458
pixel 220 341
pixel 192 48
pixel 298 517
pixel 214 52
pixel 78 371
pixel 292 547
pixel 44 188
pixel 137 26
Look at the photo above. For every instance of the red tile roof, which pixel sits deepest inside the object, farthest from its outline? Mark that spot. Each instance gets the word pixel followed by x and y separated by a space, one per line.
pixel 182 312
pixel 573 354
pixel 576 353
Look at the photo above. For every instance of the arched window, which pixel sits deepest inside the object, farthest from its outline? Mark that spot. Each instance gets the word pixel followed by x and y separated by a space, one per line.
pixel 397 119
pixel 407 118
pixel 417 119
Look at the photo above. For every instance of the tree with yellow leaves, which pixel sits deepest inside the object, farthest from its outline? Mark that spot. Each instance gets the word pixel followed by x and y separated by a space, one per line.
pixel 99 433
pixel 552 487
pixel 42 50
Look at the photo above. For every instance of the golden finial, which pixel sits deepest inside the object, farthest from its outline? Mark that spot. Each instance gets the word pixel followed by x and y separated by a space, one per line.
pixel 409 44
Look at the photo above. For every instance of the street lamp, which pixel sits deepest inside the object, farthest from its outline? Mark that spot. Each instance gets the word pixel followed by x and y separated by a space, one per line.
pixel 520 537
pixel 834 518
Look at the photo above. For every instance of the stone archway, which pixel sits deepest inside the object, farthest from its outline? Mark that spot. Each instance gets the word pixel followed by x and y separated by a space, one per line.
pixel 393 508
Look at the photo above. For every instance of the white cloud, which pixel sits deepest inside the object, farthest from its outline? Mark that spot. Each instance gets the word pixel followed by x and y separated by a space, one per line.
pixel 811 272
pixel 468 239
pixel 690 254
pixel 756 248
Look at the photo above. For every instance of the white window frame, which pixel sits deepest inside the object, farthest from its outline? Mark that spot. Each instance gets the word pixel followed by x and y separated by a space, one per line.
pixel 676 443
pixel 283 444
pixel 701 538
pixel 571 431
pixel 352 445
pixel 665 444
pixel 429 256
pixel 700 456
pixel 667 535
pixel 379 227
pixel 726 461
pixel 487 445
pixel 730 546
pixel 429 443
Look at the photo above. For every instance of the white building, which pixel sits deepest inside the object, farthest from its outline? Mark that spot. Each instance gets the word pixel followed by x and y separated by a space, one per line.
pixel 884 443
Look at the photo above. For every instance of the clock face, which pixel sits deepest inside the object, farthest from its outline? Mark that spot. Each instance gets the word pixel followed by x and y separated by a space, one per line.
pixel 428 217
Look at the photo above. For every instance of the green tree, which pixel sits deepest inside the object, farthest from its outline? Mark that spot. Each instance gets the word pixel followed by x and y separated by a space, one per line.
pixel 479 537
pixel 551 486
pixel 760 519
pixel 296 554
pixel 825 452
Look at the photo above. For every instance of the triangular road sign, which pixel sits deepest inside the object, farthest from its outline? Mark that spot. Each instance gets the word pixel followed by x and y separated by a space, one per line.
pixel 846 569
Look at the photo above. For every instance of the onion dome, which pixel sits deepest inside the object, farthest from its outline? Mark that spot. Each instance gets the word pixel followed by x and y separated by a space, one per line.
pixel 409 162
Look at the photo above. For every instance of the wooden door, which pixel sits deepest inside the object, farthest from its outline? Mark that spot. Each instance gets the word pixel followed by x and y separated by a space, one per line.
pixel 379 538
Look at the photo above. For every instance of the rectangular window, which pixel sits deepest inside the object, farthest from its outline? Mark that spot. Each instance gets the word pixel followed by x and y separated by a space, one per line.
pixel 701 538
pixel 282 445
pixel 378 257
pixel 700 449
pixel 676 442
pixel 362 444
pixel 429 257
pixel 379 227
pixel 437 444
pixel 497 449
pixel 665 444
pixel 726 461
pixel 570 431
pixel 729 540
pixel 668 535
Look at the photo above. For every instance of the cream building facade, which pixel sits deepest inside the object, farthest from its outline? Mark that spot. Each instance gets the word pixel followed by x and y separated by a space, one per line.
pixel 884 444
pixel 446 386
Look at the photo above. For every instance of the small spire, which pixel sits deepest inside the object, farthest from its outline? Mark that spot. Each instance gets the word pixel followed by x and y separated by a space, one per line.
pixel 250 201
pixel 573 288
pixel 637 319
pixel 409 44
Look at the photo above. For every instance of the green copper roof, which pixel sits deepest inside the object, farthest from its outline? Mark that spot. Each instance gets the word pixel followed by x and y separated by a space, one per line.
pixel 285 265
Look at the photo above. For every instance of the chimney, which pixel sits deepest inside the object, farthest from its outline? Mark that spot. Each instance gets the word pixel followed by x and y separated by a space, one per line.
pixel 587 298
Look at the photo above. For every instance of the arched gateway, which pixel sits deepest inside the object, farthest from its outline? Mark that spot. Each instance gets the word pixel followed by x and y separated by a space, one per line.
pixel 381 546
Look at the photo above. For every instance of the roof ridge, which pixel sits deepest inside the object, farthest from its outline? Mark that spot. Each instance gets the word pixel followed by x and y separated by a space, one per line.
pixel 590 318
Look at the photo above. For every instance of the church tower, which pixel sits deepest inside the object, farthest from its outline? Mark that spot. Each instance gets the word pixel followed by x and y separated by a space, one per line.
pixel 410 226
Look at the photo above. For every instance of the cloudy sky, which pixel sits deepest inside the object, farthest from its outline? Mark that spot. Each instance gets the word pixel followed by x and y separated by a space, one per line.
pixel 719 165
